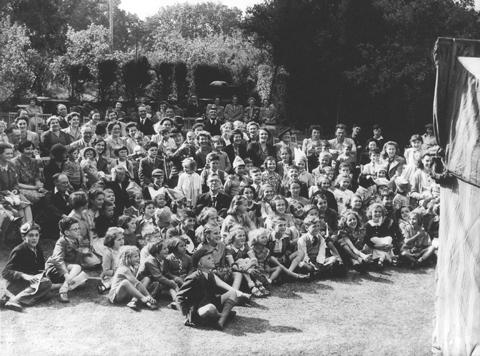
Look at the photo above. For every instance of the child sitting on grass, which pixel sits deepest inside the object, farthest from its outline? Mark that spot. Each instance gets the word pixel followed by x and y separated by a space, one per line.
pixel 64 266
pixel 317 254
pixel 125 286
pixel 198 298
pixel 106 219
pixel 350 230
pixel 241 259
pixel 379 235
pixel 417 247
pixel 26 282
pixel 178 264
pixel 113 241
pixel 152 272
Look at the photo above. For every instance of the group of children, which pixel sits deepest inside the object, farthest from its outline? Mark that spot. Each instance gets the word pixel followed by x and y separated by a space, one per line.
pixel 224 229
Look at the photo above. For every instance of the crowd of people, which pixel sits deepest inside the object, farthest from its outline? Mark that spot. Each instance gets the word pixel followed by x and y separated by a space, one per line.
pixel 210 216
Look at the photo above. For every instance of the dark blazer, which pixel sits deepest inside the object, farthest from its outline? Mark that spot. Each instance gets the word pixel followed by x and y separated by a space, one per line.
pixel 146 168
pixel 51 208
pixel 147 128
pixel 205 200
pixel 195 292
pixel 121 195
pixel 254 151
pixel 214 129
pixel 102 165
pixel 230 151
pixel 49 139
pixel 23 260
pixel 49 171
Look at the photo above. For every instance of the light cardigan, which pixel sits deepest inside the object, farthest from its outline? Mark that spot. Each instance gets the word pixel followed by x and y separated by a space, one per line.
pixel 190 185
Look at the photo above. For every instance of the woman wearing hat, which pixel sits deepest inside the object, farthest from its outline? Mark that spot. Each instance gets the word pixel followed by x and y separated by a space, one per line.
pixel 258 151
pixel 89 166
pixel 121 154
pixel 26 282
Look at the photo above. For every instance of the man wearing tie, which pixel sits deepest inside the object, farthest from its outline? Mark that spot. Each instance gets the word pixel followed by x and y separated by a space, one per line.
pixel 212 124
pixel 145 125
pixel 214 198
pixel 234 111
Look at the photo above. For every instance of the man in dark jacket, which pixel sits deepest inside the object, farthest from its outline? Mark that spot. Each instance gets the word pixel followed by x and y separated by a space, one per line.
pixel 214 197
pixel 144 124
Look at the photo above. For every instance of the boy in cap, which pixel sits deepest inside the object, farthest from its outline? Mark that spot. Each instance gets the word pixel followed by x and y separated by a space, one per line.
pixel 197 296
pixel 232 185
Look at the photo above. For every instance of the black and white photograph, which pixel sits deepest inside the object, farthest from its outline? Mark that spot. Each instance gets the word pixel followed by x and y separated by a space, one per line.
pixel 240 177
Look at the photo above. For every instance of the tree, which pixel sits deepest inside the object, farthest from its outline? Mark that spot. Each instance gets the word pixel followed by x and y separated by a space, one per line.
pixel 358 60
pixel 192 21
pixel 136 76
pixel 16 74
pixel 107 76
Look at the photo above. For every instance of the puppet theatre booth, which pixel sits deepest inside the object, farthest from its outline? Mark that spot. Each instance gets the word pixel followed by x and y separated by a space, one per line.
pixel 456 115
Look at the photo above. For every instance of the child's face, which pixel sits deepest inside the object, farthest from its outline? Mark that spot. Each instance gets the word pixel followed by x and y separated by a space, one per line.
pixel 375 157
pixel 293 173
pixel 189 223
pixel 404 213
pixel 31 238
pixel 295 189
pixel 242 207
pixel 324 161
pixel 297 210
pixel 207 262
pixel 256 177
pixel 158 180
pixel 280 227
pixel 314 228
pixel 218 145
pixel 322 205
pixel 89 155
pixel 387 201
pixel 344 184
pixel 118 242
pixel 248 193
pixel 99 200
pixel 109 211
pixel 315 134
pixel 280 206
pixel 149 210
pixel 240 170
pixel 416 144
pixel 122 154
pixel 181 250
pixel 135 258
pixel 164 251
pixel 377 214
pixel 263 239
pixel 372 145
pixel 313 212
pixel 214 164
pixel 190 137
pixel 2 127
pixel 188 168
pixel 237 139
pixel 344 171
pixel 215 237
pixel 160 201
pixel 356 203
pixel 381 173
pixel 240 239
pixel 212 219
pixel 132 131
pixel 203 140
pixel 152 152
pixel 109 196
pixel 248 166
pixel 351 221
pixel 284 156
pixel 301 166
pixel 391 150
pixel 74 155
pixel 131 226
pixel 271 165
pixel 138 200
pixel 268 194
pixel 413 220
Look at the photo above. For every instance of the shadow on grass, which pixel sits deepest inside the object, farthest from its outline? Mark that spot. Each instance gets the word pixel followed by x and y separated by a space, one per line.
pixel 358 278
pixel 242 325
pixel 291 290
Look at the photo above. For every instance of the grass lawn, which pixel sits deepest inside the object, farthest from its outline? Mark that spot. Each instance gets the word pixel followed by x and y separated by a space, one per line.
pixel 389 313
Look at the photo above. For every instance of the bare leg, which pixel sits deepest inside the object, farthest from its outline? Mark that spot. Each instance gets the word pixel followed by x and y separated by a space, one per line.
pixel 127 290
pixel 237 280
